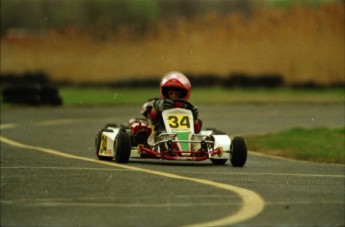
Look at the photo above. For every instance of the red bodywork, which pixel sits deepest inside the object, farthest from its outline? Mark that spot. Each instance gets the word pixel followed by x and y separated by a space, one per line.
pixel 178 155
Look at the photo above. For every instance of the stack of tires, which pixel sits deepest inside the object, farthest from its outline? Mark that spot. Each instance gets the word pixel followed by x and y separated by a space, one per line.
pixel 34 92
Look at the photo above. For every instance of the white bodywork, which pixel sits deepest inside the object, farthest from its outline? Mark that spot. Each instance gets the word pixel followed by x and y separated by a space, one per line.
pixel 108 141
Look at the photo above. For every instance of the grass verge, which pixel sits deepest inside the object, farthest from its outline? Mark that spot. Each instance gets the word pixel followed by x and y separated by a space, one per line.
pixel 321 144
pixel 200 96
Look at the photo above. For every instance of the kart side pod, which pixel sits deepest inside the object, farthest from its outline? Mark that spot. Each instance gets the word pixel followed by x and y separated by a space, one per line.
pixel 224 142
pixel 107 141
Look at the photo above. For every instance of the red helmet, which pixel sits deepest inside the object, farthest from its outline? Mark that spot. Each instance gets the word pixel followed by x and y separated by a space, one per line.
pixel 175 81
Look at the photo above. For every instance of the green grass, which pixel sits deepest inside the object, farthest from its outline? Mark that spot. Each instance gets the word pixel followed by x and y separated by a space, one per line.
pixel 105 96
pixel 200 96
pixel 321 145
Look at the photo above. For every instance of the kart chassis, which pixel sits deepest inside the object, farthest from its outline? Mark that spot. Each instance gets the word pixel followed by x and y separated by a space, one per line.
pixel 177 142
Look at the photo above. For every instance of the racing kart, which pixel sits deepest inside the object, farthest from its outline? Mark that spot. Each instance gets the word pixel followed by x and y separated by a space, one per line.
pixel 177 142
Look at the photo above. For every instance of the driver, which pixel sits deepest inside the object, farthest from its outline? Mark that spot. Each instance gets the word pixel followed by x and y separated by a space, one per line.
pixel 173 85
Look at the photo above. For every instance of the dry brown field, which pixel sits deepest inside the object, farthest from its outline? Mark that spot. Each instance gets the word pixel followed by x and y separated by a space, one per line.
pixel 301 44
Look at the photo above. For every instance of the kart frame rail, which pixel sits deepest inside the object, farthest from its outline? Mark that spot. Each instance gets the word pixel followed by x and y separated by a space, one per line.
pixel 206 151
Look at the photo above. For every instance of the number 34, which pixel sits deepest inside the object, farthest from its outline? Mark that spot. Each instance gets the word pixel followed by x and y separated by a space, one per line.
pixel 179 121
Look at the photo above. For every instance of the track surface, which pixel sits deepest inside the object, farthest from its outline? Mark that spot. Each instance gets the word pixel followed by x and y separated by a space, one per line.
pixel 44 189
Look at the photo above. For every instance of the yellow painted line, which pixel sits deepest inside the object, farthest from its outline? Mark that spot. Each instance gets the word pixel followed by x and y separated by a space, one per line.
pixel 7 126
pixel 63 168
pixel 252 203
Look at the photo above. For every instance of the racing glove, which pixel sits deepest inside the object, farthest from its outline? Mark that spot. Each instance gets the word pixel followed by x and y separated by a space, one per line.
pixel 163 104
pixel 195 112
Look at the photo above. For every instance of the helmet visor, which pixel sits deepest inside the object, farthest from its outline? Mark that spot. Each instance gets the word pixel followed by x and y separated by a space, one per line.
pixel 173 92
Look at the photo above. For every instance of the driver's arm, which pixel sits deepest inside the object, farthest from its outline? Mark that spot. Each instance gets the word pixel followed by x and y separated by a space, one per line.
pixel 197 122
pixel 197 125
pixel 158 106
pixel 163 104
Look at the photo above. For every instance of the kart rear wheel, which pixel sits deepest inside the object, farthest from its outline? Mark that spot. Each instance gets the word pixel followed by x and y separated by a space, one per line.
pixel 122 147
pixel 98 145
pixel 238 151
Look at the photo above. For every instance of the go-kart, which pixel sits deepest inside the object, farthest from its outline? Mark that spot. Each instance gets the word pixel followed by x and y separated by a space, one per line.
pixel 177 142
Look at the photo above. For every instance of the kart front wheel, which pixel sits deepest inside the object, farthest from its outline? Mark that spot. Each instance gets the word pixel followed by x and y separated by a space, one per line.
pixel 238 152
pixel 218 161
pixel 122 147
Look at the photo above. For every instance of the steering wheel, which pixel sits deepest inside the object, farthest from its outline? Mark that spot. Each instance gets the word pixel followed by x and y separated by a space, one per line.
pixel 188 106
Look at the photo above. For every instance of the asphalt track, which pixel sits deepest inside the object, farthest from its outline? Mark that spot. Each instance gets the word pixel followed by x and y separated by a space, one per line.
pixel 51 176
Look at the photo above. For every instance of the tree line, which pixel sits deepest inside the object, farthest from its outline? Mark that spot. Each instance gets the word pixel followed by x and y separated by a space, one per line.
pixel 138 14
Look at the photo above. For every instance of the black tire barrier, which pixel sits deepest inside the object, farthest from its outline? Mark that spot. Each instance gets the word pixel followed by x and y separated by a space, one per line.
pixel 242 80
pixel 31 94
pixel 245 80
pixel 236 79
pixel 205 80
pixel 150 82
pixel 34 100
pixel 18 90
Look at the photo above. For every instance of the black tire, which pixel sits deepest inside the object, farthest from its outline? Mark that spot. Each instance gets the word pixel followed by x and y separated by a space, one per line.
pixel 122 147
pixel 238 152
pixel 50 95
pixel 124 128
pixel 49 90
pixel 34 100
pixel 28 94
pixel 32 94
pixel 21 90
pixel 218 161
pixel 52 100
pixel 98 145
